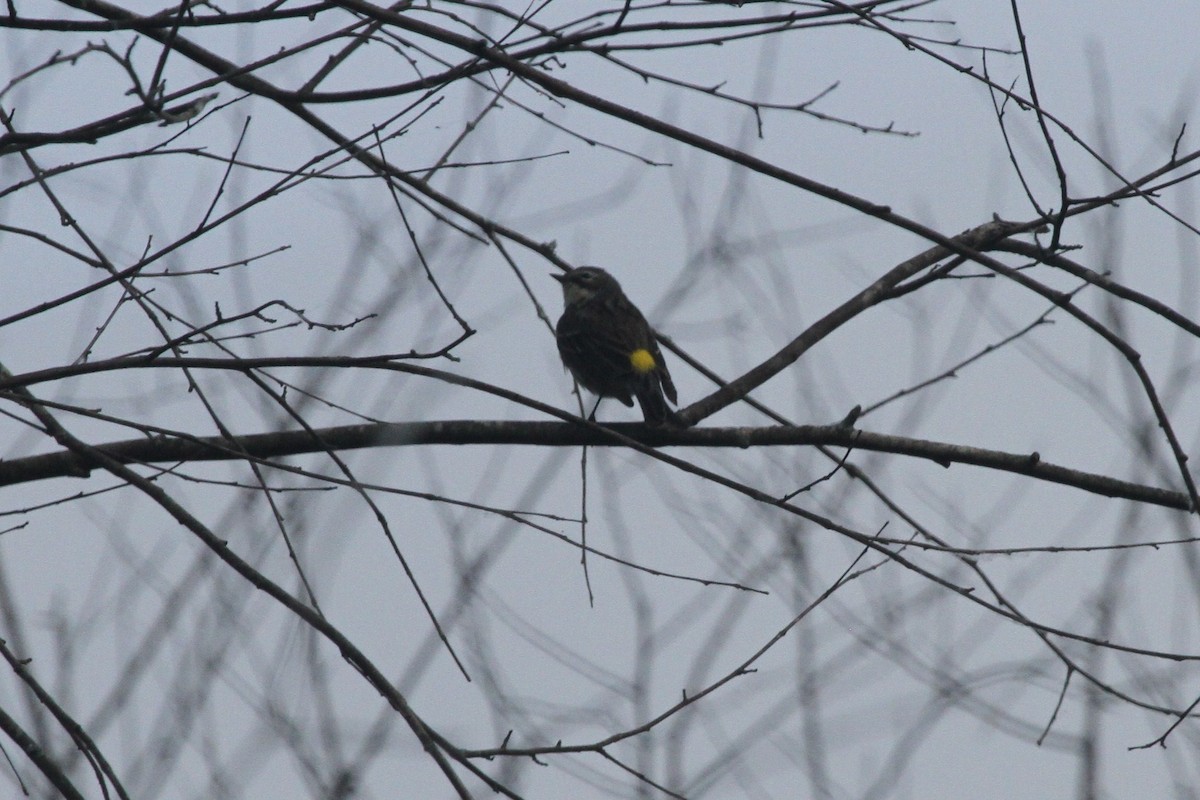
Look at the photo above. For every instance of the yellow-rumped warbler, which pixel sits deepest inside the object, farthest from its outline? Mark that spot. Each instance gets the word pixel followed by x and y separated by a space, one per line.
pixel 608 346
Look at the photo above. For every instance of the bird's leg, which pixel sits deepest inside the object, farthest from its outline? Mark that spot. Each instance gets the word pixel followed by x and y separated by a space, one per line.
pixel 592 416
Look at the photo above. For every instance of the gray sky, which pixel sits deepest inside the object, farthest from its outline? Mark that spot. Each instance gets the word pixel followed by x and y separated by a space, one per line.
pixel 895 687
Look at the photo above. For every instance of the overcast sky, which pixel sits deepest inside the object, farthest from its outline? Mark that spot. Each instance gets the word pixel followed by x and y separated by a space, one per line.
pixel 897 686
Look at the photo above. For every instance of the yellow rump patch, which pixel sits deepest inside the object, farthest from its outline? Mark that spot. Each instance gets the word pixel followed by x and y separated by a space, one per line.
pixel 642 361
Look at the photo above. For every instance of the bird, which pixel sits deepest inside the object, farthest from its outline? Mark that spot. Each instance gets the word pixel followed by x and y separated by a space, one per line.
pixel 607 345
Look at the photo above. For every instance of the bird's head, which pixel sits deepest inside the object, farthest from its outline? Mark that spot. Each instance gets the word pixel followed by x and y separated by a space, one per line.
pixel 583 283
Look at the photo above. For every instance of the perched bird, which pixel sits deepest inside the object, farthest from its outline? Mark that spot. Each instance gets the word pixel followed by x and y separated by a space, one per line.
pixel 608 346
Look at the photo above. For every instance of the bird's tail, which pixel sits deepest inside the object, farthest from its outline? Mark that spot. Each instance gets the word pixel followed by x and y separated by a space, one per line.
pixel 654 406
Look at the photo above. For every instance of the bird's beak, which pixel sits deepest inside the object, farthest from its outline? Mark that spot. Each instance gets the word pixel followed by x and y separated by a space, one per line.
pixel 558 277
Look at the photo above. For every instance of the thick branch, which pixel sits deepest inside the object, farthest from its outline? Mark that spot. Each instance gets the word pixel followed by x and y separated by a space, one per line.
pixel 266 446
